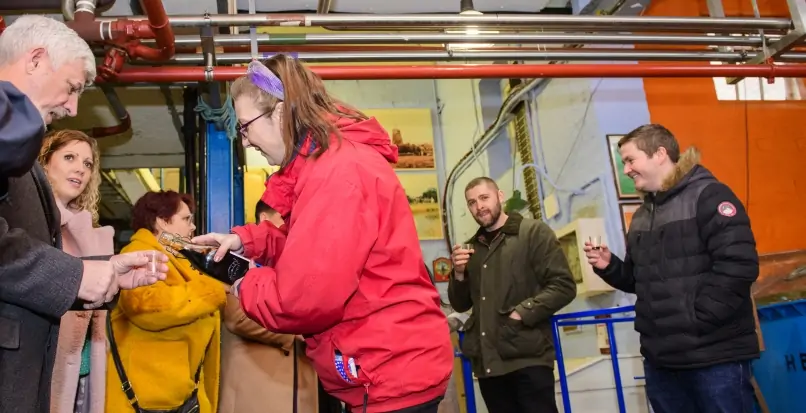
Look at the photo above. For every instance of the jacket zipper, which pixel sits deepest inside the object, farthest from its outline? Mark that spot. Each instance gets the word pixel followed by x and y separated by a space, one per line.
pixel 366 396
pixel 652 207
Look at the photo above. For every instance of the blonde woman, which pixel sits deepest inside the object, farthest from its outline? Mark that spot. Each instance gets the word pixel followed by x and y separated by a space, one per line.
pixel 71 160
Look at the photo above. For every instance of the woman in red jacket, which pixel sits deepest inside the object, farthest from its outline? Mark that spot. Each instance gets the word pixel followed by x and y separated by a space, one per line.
pixel 346 271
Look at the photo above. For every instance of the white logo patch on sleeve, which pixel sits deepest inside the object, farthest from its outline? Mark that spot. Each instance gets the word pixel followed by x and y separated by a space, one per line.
pixel 726 209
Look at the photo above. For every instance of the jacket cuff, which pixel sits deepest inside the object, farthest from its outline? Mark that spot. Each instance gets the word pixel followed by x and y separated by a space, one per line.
pixel 246 240
pixel 611 266
pixel 453 277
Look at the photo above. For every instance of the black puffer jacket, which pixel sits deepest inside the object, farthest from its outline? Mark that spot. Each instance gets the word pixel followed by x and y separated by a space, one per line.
pixel 691 259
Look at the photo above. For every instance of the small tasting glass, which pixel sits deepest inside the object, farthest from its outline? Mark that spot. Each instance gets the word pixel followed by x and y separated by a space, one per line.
pixel 468 247
pixel 151 269
pixel 596 242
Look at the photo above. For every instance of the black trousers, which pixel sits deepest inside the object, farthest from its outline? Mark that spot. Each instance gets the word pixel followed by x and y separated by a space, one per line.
pixel 328 403
pixel 427 407
pixel 528 390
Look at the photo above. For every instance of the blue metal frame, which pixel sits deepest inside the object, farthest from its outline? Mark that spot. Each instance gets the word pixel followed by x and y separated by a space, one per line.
pixel 238 213
pixel 574 319
pixel 224 182
pixel 559 320
pixel 467 375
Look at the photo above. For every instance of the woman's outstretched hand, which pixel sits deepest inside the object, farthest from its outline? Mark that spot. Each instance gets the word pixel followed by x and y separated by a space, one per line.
pixel 224 242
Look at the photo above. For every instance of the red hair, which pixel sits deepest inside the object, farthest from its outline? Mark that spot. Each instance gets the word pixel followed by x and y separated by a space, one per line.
pixel 153 205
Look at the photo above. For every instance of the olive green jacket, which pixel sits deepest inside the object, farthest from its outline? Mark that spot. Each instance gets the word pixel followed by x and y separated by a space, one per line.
pixel 524 270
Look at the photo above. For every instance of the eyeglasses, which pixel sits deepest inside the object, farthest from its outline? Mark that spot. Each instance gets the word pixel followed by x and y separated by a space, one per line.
pixel 243 128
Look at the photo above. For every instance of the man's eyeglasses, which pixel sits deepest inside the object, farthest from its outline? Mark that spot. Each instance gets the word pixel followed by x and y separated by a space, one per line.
pixel 243 128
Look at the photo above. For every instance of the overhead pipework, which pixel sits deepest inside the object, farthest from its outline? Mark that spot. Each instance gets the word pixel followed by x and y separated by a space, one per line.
pixel 476 37
pixel 126 42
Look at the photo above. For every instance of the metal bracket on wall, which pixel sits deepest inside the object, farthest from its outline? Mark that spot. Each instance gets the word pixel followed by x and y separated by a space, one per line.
pixel 797 9
pixel 208 51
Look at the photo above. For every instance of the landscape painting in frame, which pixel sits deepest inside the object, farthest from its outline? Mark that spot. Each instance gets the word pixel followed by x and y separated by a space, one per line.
pixel 422 190
pixel 624 185
pixel 627 211
pixel 413 133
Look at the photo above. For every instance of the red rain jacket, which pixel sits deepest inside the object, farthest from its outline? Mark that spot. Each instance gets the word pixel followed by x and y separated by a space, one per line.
pixel 349 274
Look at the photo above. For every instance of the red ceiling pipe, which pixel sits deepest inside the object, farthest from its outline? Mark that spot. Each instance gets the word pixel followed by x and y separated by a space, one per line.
pixel 105 131
pixel 2 24
pixel 125 34
pixel 225 73
pixel 163 34
pixel 92 30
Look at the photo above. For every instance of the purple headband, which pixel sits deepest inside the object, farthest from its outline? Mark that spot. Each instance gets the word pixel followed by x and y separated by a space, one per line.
pixel 265 79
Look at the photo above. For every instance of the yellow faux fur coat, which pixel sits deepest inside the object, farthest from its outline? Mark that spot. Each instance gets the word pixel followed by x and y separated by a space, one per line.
pixel 163 332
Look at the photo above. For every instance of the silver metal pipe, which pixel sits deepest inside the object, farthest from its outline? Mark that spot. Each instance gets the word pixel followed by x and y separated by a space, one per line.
pixel 442 38
pixel 324 6
pixel 531 55
pixel 536 21
pixel 68 10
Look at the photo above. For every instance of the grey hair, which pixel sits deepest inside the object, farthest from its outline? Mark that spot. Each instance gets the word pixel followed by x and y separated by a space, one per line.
pixel 62 43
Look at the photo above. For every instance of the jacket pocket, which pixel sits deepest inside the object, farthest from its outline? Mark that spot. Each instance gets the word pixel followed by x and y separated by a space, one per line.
pixel 696 326
pixel 516 340
pixel 9 334
pixel 341 367
pixel 471 343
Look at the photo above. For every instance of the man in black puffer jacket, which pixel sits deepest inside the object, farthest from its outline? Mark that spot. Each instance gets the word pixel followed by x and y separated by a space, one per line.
pixel 691 259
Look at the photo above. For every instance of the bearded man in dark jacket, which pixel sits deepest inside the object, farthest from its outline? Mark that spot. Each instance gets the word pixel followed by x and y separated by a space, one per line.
pixel 515 277
pixel 44 66
pixel 691 260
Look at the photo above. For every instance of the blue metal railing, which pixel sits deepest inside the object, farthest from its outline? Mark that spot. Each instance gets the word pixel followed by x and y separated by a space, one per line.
pixel 559 320
pixel 578 319
pixel 467 376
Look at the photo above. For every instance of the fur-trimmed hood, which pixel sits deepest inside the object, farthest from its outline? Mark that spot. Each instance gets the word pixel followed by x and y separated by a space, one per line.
pixel 688 160
pixel 686 171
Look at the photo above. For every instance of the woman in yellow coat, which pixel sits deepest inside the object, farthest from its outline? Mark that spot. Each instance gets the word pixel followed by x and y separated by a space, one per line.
pixel 167 332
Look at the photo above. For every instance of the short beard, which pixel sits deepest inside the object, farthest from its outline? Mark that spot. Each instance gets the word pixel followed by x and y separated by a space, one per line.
pixel 495 215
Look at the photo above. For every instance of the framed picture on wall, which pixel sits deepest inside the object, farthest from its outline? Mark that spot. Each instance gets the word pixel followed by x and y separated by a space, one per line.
pixel 422 191
pixel 412 130
pixel 442 268
pixel 625 187
pixel 627 211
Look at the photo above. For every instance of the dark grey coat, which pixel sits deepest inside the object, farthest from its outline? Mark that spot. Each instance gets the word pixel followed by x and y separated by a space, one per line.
pixel 38 284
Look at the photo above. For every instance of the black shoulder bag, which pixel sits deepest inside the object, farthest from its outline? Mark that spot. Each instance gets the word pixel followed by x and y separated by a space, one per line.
pixel 191 405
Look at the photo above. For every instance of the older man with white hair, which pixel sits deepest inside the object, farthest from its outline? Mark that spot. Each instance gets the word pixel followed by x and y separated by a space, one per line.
pixel 44 67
